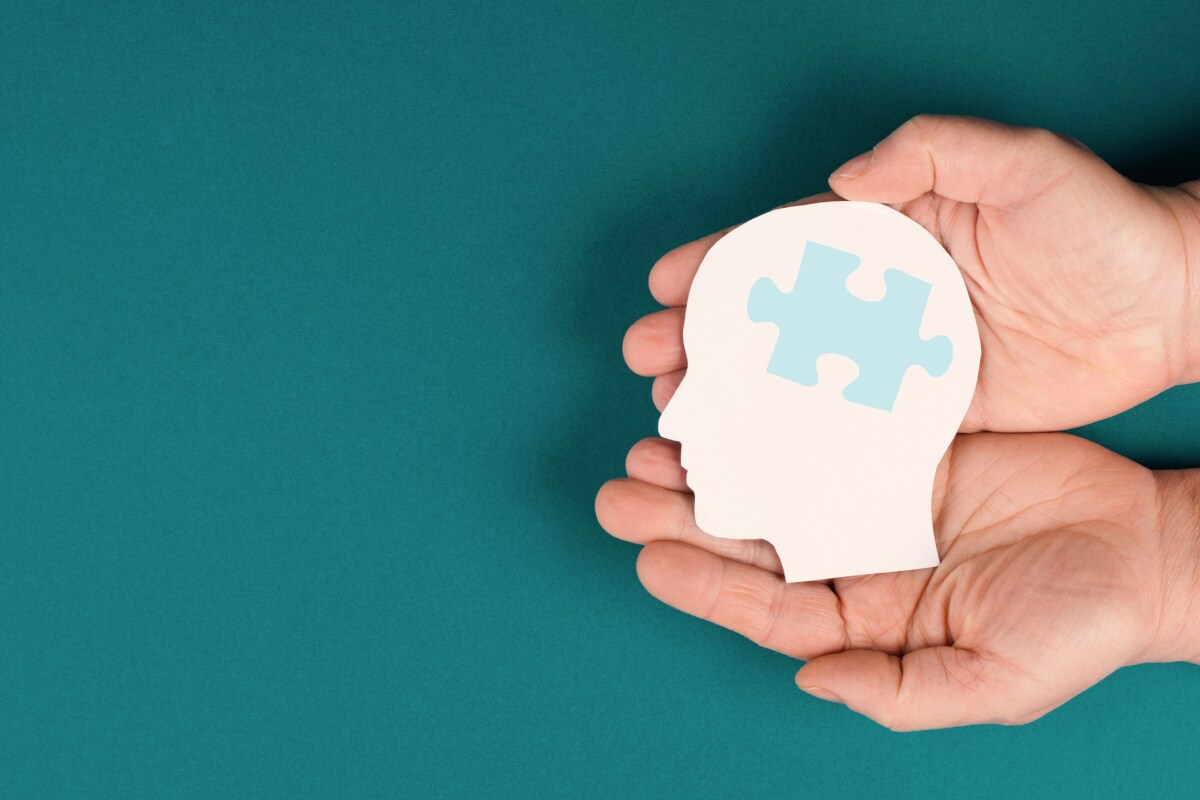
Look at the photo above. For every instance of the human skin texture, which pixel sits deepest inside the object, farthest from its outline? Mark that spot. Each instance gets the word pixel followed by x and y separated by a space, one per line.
pixel 1086 285
pixel 1060 561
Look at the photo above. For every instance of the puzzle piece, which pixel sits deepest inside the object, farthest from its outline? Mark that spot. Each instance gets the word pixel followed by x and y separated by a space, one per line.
pixel 821 316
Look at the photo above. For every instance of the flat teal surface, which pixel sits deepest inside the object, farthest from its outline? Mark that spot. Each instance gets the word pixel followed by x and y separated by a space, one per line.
pixel 310 323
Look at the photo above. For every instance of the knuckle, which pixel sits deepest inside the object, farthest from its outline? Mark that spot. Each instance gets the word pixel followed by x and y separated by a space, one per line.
pixel 1019 718
pixel 1046 140
pixel 922 124
pixel 743 608
pixel 893 721
pixel 772 615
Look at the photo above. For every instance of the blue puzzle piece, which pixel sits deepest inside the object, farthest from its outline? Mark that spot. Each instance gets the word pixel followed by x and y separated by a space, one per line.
pixel 821 316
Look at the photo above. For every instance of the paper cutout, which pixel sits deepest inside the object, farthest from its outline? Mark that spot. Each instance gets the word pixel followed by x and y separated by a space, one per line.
pixel 832 353
pixel 821 316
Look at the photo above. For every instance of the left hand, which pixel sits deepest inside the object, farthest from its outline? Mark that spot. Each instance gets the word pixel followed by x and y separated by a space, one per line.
pixel 1053 575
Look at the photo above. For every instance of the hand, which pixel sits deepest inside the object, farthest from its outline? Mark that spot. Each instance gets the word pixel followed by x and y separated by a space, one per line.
pixel 1060 563
pixel 1080 279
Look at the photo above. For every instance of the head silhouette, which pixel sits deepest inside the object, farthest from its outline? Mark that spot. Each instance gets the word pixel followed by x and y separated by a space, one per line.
pixel 823 387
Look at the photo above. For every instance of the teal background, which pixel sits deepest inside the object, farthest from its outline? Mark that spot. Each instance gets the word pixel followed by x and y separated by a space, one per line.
pixel 310 322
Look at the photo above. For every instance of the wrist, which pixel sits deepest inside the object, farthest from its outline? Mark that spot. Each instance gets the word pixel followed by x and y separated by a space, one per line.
pixel 1183 203
pixel 1177 628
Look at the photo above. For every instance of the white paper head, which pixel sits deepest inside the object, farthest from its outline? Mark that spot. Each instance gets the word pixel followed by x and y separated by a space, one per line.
pixel 838 487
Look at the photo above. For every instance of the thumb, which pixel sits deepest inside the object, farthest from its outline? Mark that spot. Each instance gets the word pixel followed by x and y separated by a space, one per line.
pixel 937 687
pixel 962 158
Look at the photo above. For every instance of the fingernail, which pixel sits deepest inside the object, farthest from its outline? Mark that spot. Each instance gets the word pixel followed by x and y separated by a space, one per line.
pixel 855 166
pixel 822 693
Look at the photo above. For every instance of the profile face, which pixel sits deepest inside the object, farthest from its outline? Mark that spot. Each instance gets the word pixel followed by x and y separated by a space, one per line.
pixel 800 465
pixel 721 445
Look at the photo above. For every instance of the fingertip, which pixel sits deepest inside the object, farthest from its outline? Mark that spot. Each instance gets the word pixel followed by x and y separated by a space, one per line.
pixel 674 572
pixel 814 675
pixel 612 504
pixel 656 461
pixel 874 181
pixel 650 563
pixel 853 168
pixel 658 282
pixel 864 680
pixel 671 276
pixel 664 388
pixel 633 457
pixel 642 454
pixel 819 692
pixel 654 344
pixel 823 197
pixel 629 347
pixel 603 502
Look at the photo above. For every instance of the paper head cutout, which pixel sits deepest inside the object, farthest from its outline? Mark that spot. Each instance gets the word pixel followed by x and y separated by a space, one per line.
pixel 832 353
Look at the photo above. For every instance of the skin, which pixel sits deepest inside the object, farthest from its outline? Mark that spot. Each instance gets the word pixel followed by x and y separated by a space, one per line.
pixel 1083 282
pixel 1061 561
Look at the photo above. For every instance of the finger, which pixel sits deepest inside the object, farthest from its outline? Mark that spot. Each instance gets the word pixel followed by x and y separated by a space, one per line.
pixel 801 620
pixel 654 344
pixel 671 278
pixel 642 513
pixel 974 420
pixel 823 197
pixel 665 386
pixel 961 158
pixel 656 461
pixel 936 687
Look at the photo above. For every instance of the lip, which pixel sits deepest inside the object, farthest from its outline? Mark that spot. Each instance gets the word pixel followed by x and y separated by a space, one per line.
pixel 690 478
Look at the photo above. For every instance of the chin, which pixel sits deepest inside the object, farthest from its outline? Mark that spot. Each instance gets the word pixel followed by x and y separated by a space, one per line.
pixel 705 520
pixel 702 520
pixel 720 512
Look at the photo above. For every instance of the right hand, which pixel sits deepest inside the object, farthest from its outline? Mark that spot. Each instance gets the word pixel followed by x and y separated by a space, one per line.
pixel 1080 278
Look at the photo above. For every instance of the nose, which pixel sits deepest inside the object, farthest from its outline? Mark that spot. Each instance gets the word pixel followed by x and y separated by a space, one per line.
pixel 671 423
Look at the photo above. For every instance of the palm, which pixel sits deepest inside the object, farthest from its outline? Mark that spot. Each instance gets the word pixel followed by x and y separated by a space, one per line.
pixel 1077 275
pixel 1070 299
pixel 1047 551
pixel 1051 572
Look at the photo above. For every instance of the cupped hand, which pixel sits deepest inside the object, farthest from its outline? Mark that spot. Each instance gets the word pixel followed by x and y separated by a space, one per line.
pixel 1079 278
pixel 1054 573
